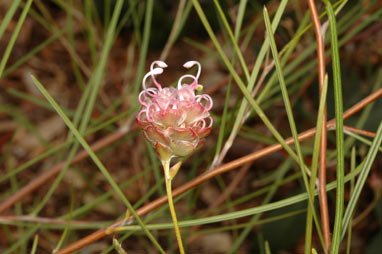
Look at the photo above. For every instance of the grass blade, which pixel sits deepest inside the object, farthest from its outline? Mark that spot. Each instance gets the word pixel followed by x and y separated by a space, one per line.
pixel 8 16
pixel 233 40
pixel 16 32
pixel 144 45
pixel 349 229
pixel 34 246
pixel 365 169
pixel 340 192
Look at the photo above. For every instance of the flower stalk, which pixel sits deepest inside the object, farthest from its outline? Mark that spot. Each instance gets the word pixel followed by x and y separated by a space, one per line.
pixel 169 176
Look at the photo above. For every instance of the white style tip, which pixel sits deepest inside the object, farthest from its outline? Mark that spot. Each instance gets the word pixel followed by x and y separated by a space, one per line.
pixel 189 64
pixel 156 71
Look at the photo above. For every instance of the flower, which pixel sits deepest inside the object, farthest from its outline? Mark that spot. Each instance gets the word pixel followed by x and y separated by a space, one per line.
pixel 174 120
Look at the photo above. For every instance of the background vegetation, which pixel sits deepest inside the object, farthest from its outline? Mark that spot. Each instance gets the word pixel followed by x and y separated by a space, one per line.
pixel 73 160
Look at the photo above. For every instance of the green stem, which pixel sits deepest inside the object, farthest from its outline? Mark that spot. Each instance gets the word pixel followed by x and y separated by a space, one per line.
pixel 166 167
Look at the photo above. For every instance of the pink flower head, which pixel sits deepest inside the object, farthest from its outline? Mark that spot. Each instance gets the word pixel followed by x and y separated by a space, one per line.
pixel 174 120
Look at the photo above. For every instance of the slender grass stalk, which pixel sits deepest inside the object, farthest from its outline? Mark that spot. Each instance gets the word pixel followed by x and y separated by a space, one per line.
pixel 361 139
pixel 340 191
pixel 15 33
pixel 71 41
pixel 88 9
pixel 233 40
pixel 239 22
pixel 14 186
pixel 118 247
pixel 144 45
pixel 366 166
pixel 352 167
pixel 176 28
pixel 168 180
pixel 157 226
pixel 34 246
pixel 8 16
pixel 267 248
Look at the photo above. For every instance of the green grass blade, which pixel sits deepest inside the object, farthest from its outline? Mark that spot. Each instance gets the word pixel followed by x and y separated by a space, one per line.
pixel 34 246
pixel 96 80
pixel 8 16
pixel 233 40
pixel 222 129
pixel 366 166
pixel 88 9
pixel 340 192
pixel 349 229
pixel 267 248
pixel 361 139
pixel 16 32
pixel 175 30
pixel 144 46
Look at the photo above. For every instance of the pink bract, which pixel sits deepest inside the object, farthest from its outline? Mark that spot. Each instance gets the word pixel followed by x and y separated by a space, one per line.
pixel 174 120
